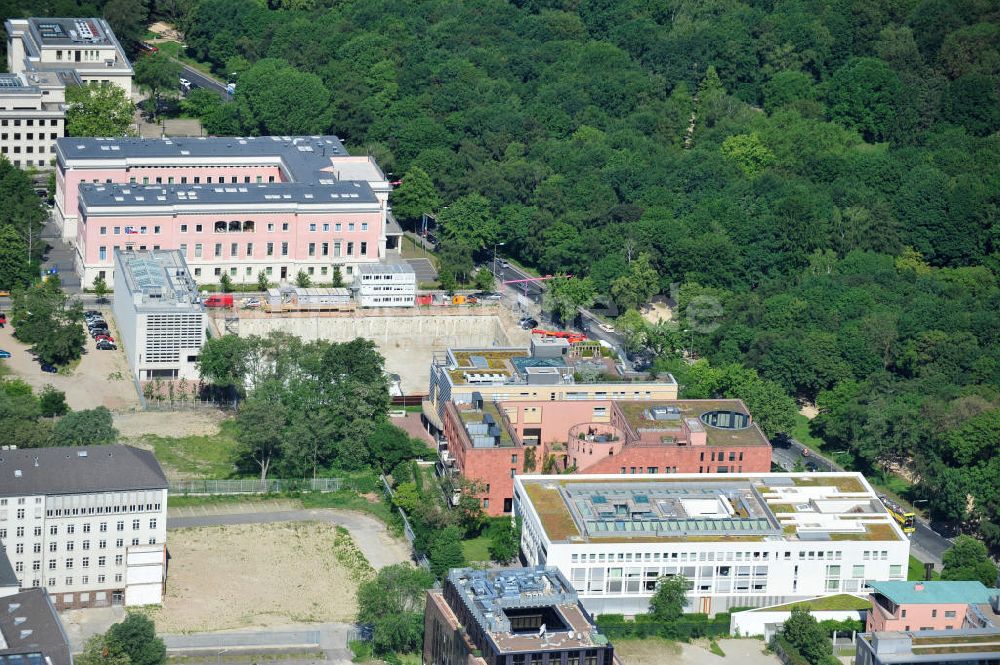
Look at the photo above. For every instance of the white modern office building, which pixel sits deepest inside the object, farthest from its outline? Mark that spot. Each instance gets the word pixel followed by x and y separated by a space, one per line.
pixel 86 46
pixel 739 540
pixel 385 285
pixel 32 116
pixel 160 315
pixel 89 524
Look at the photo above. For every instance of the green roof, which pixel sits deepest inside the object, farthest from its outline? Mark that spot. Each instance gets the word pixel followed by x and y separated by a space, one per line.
pixel 921 593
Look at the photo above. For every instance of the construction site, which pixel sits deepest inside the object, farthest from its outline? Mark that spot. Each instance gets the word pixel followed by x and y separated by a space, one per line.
pixel 406 337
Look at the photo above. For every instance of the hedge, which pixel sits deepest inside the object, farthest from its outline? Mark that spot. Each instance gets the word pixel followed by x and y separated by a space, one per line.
pixel 690 626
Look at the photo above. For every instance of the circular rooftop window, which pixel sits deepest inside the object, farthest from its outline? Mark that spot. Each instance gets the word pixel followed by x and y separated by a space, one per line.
pixel 726 419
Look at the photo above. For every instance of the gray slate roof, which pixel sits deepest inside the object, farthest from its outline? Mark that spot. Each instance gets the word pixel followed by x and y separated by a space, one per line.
pixel 30 626
pixel 307 158
pixel 79 470
pixel 118 195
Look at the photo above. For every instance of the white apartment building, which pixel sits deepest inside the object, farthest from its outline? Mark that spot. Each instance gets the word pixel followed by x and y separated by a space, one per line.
pixel 32 116
pixel 89 524
pixel 385 285
pixel 160 315
pixel 748 540
pixel 86 46
pixel 45 56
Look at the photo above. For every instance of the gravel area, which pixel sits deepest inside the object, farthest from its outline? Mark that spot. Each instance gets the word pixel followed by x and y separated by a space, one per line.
pixel 102 378
pixel 135 424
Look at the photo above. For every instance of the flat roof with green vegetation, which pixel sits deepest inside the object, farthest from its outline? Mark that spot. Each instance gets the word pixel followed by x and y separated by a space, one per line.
pixel 842 601
pixel 561 501
pixel 471 416
pixel 637 416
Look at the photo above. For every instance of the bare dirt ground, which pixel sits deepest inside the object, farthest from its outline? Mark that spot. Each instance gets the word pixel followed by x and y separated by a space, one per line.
pixel 658 651
pixel 809 411
pixel 657 311
pixel 134 424
pixel 102 378
pixel 261 575
pixel 166 31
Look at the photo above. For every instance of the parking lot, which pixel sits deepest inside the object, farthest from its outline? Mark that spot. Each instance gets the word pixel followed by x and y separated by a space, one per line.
pixel 101 378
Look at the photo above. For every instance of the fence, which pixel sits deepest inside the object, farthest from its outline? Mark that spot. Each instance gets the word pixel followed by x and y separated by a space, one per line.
pixel 407 529
pixel 253 486
pixel 187 405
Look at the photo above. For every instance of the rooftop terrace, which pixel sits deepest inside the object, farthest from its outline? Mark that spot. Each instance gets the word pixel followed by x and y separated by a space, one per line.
pixel 159 278
pixel 486 427
pixel 708 508
pixel 934 646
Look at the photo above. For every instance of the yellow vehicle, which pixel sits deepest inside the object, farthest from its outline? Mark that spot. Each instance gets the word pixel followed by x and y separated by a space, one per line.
pixel 906 518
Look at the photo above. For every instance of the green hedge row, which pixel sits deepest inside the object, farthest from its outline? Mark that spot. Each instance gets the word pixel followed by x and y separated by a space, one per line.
pixel 690 626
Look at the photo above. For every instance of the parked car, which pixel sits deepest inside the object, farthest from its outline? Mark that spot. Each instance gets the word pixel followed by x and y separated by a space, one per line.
pixel 528 323
pixel 146 47
pixel 251 302
pixel 104 338
pixel 105 345
pixel 50 369
pixel 4 354
pixel 185 84
pixel 606 327
pixel 91 323
pixel 92 314
pixel 488 296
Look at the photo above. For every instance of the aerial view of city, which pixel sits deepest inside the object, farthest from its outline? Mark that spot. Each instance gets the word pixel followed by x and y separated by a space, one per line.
pixel 493 332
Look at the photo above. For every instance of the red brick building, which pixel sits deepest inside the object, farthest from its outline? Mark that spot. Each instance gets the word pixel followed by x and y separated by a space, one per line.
pixel 493 442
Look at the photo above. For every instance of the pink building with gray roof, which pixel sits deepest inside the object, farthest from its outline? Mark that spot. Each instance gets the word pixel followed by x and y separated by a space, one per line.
pixel 233 206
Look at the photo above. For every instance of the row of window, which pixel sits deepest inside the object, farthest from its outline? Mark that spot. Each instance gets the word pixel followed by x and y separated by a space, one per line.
pixel 70 546
pixel 196 180
pixel 16 150
pixel 51 582
pixel 100 510
pixel 30 136
pixel 228 227
pixel 30 122
pixel 269 250
pixel 17 162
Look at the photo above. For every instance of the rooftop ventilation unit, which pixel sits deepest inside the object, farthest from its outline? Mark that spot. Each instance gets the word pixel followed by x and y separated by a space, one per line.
pixel 661 413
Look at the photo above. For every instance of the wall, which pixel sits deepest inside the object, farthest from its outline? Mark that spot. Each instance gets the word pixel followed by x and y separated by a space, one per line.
pixel 755 622
pixel 919 617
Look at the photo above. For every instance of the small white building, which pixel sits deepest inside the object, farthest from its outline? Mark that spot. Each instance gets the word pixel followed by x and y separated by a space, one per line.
pixel 160 315
pixel 385 285
pixel 89 524
pixel 749 540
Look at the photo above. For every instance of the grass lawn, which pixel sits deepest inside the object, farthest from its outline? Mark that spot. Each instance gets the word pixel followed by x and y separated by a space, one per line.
pixel 184 501
pixel 841 601
pixel 411 250
pixel 477 549
pixel 202 456
pixel 174 50
pixel 801 434
pixel 915 571
pixel 350 500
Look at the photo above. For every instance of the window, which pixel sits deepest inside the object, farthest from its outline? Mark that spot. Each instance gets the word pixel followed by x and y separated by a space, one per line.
pixel 858 571
pixel 364 249
pixel 104 230
pixel 284 226
pixel 325 251
pixel 218 249
pixel 949 614
pixel 184 249
pixel 234 250
pixel 249 249
pixel 152 523
pixel 934 614
pixel 270 249
pixel 364 226
pixel 102 253
pixel 197 250
pixel 102 561
pixel 350 227
pixel 197 228
pixel 284 249
pixel 135 524
pixel 118 559
pixel 120 526
pixel 312 227
pixel 896 571
pixel 312 248
pixel 103 527
pixel 350 249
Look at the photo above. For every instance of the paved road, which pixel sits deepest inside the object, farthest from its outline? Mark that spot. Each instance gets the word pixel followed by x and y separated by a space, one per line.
pixel 372 539
pixel 200 80
pixel 926 544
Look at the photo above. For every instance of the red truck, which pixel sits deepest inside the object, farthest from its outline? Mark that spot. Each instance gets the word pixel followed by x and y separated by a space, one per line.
pixel 219 300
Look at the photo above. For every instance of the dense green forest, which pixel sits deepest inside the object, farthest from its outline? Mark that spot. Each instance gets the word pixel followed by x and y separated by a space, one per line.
pixel 825 170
